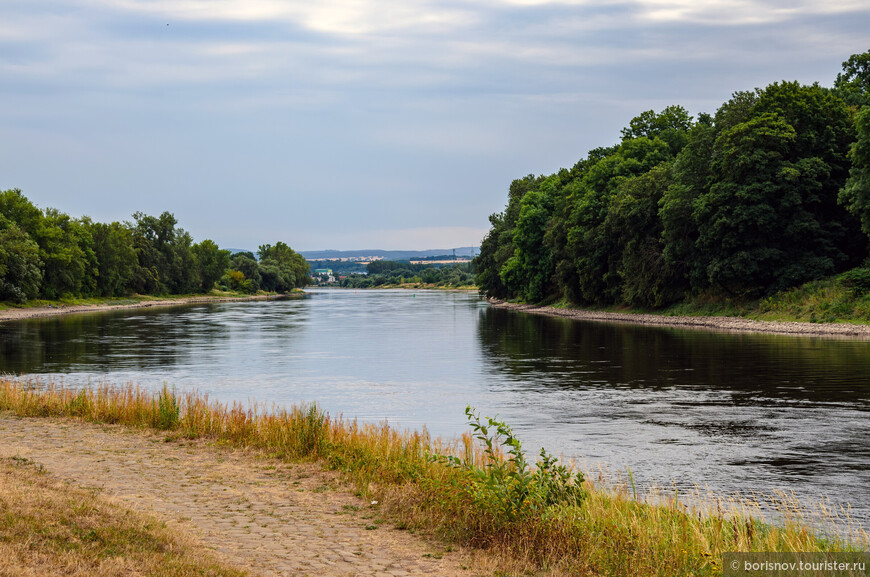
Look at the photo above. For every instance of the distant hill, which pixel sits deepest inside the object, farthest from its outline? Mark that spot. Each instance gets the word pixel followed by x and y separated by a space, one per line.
pixel 468 251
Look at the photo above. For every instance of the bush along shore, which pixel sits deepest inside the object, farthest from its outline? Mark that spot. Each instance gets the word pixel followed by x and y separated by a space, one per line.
pixel 481 490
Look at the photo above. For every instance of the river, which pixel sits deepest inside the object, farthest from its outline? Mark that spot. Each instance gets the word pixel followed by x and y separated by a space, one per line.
pixel 735 412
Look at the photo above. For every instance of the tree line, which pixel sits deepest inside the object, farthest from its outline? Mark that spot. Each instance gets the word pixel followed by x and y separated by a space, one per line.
pixel 386 272
pixel 47 254
pixel 771 191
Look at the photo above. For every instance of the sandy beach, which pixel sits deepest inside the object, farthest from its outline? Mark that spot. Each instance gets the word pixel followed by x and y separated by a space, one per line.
pixel 14 314
pixel 729 324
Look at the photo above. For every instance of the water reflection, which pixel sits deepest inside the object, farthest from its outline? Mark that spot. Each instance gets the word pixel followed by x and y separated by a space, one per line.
pixel 737 412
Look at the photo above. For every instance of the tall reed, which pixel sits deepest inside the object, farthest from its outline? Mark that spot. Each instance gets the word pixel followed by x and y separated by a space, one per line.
pixel 458 489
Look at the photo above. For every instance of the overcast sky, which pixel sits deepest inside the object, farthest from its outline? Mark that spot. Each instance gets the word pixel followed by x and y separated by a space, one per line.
pixel 351 124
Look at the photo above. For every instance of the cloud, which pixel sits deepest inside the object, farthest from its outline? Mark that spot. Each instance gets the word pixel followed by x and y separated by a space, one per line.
pixel 363 115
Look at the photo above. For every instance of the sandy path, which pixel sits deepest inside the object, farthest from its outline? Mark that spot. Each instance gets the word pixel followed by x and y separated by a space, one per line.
pixel 269 517
pixel 730 324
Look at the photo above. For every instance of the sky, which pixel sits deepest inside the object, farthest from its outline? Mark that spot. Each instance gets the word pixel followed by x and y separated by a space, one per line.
pixel 353 124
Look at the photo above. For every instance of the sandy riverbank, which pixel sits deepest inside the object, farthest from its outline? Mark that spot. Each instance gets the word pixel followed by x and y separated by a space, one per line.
pixel 730 324
pixel 49 311
pixel 266 516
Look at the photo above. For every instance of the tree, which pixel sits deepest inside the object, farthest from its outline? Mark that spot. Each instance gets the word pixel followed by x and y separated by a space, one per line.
pixel 166 262
pixel 757 229
pixel 855 196
pixel 633 222
pixel 115 254
pixel 20 267
pixel 671 125
pixel 690 174
pixel 853 84
pixel 67 252
pixel 527 273
pixel 211 262
pixel 281 268
pixel 596 256
pixel 245 263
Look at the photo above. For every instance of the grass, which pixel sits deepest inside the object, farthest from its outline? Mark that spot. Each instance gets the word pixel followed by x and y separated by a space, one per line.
pixel 480 490
pixel 48 527
pixel 837 299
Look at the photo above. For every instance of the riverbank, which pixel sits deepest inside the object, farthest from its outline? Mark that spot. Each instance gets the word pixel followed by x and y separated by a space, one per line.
pixel 210 510
pixel 513 516
pixel 716 323
pixel 12 313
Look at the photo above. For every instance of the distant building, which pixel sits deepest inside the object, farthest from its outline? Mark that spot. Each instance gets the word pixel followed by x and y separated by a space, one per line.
pixel 319 273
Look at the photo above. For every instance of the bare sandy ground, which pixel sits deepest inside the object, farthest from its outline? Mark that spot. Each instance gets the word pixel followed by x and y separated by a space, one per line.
pixel 729 324
pixel 267 516
pixel 37 312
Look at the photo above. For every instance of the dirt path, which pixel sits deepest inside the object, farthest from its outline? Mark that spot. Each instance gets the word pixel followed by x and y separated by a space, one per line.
pixel 729 324
pixel 269 517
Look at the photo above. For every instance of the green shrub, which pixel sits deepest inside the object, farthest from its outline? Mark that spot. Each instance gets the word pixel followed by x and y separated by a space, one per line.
pixel 858 280
pixel 509 490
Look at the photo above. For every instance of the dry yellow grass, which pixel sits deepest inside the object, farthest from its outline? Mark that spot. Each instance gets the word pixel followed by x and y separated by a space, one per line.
pixel 612 531
pixel 48 527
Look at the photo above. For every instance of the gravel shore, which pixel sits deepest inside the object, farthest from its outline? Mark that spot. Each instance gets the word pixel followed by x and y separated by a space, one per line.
pixel 730 324
pixel 37 312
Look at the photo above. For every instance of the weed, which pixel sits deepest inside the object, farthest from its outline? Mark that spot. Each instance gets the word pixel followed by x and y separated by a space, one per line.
pixel 509 490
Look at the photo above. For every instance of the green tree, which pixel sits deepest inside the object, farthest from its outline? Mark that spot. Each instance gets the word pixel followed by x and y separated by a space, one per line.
pixel 67 252
pixel 596 255
pixel 528 272
pixel 497 247
pixel 757 234
pixel 853 83
pixel 116 256
pixel 166 261
pixel 211 262
pixel 670 125
pixel 690 175
pixel 855 195
pixel 245 263
pixel 633 223
pixel 20 266
pixel 281 268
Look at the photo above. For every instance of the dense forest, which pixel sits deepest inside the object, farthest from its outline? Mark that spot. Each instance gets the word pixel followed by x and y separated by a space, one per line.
pixel 771 191
pixel 47 254
pixel 387 272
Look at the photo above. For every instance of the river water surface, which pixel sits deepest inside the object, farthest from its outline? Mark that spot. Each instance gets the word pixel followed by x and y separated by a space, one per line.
pixel 736 412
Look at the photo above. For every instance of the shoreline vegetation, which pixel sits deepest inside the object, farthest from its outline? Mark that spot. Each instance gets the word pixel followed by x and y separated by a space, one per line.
pixel 761 204
pixel 478 490
pixel 697 322
pixel 40 309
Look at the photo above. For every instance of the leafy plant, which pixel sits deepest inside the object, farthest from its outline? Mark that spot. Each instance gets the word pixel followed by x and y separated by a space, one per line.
pixel 858 280
pixel 508 489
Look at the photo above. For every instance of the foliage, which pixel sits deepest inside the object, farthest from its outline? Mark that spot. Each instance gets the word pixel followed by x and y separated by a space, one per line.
pixel 20 266
pixel 211 263
pixel 740 204
pixel 48 254
pixel 281 268
pixel 509 490
pixel 398 273
pixel 855 196
pixel 858 280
